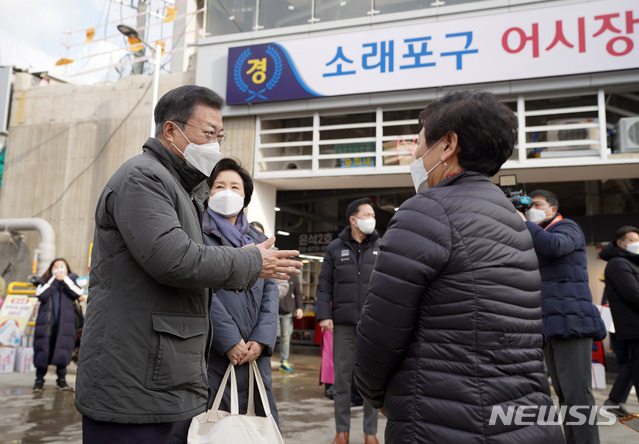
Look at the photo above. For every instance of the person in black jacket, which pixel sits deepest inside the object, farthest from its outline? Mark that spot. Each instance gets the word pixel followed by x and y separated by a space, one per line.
pixel 55 333
pixel 451 331
pixel 622 292
pixel 571 321
pixel 290 295
pixel 341 292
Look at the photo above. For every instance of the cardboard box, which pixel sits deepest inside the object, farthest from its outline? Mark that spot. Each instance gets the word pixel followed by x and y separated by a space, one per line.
pixel 24 360
pixel 598 373
pixel 10 333
pixel 7 359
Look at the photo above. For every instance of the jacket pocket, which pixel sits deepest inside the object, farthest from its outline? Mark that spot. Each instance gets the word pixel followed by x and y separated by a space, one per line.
pixel 176 358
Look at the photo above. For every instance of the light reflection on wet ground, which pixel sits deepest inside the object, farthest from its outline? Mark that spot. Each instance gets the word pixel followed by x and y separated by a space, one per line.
pixel 47 417
pixel 306 416
pixel 50 417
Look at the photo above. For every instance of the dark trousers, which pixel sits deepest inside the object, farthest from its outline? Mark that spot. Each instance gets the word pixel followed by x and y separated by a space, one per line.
pixel 628 374
pixel 569 365
pixel 356 398
pixel 61 370
pixel 99 432
pixel 344 361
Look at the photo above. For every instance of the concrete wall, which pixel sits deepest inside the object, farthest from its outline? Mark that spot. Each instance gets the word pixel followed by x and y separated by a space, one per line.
pixel 64 143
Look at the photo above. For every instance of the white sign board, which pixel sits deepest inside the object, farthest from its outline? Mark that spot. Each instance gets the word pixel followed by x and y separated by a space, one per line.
pixel 19 308
pixel 554 41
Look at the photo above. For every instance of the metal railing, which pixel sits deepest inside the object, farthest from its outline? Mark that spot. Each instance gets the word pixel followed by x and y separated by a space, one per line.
pixel 553 131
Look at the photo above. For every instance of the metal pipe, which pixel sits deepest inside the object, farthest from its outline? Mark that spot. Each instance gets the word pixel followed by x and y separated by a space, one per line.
pixel 46 247
pixel 156 82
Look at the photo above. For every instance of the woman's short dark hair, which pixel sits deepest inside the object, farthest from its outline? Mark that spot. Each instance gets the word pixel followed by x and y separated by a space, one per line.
pixel 486 129
pixel 259 226
pixel 622 231
pixel 230 164
pixel 551 198
pixel 179 104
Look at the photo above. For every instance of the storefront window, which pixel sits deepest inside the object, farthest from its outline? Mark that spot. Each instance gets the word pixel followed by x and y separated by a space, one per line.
pixel 286 144
pixel 400 130
pixel 280 13
pixel 231 16
pixel 347 133
pixel 566 129
pixel 235 16
pixel 329 10
pixel 384 138
pixel 389 6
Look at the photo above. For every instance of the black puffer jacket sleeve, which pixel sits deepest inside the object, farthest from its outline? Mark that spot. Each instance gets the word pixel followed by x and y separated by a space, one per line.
pixel 624 277
pixel 325 287
pixel 396 313
pixel 622 289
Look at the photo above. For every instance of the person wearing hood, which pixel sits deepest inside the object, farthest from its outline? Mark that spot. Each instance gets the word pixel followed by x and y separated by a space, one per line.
pixel 341 292
pixel 55 332
pixel 622 293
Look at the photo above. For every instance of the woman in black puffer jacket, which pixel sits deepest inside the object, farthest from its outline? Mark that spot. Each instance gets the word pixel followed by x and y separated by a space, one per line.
pixel 450 335
pixel 55 332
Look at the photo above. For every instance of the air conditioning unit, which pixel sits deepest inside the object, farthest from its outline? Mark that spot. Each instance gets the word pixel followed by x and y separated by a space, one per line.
pixel 627 135
pixel 573 134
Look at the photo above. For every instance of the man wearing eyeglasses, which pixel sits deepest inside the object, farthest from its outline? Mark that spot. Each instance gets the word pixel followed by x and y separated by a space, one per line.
pixel 147 330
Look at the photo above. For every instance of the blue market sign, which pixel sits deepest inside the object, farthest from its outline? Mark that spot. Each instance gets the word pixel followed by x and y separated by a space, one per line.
pixel 545 42
pixel 262 73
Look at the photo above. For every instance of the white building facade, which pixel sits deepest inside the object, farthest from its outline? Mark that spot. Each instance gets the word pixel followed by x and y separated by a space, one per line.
pixel 331 91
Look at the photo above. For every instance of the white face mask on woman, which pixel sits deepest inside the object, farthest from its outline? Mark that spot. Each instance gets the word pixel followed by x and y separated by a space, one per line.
pixel 201 157
pixel 418 171
pixel 226 203
pixel 366 225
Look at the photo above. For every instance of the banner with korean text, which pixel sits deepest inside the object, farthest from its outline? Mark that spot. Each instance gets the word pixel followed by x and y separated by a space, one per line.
pixel 554 41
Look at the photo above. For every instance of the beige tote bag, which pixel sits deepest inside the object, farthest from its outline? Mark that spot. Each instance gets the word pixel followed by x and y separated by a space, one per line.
pixel 218 426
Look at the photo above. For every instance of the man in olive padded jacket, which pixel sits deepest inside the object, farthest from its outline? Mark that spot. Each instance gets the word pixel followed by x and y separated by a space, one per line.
pixel 147 332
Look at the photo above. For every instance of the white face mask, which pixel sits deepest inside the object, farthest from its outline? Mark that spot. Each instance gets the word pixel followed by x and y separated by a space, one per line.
pixel 535 215
pixel 201 157
pixel 366 225
pixel 419 173
pixel 226 203
pixel 633 247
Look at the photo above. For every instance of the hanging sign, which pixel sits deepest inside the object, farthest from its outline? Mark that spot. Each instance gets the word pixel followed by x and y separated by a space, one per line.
pixel 545 42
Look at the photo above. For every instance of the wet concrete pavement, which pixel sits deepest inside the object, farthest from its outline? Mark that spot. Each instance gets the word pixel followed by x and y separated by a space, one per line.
pixel 306 416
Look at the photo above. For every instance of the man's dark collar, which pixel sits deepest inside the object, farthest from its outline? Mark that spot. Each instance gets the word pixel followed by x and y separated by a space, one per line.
pixel 189 177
